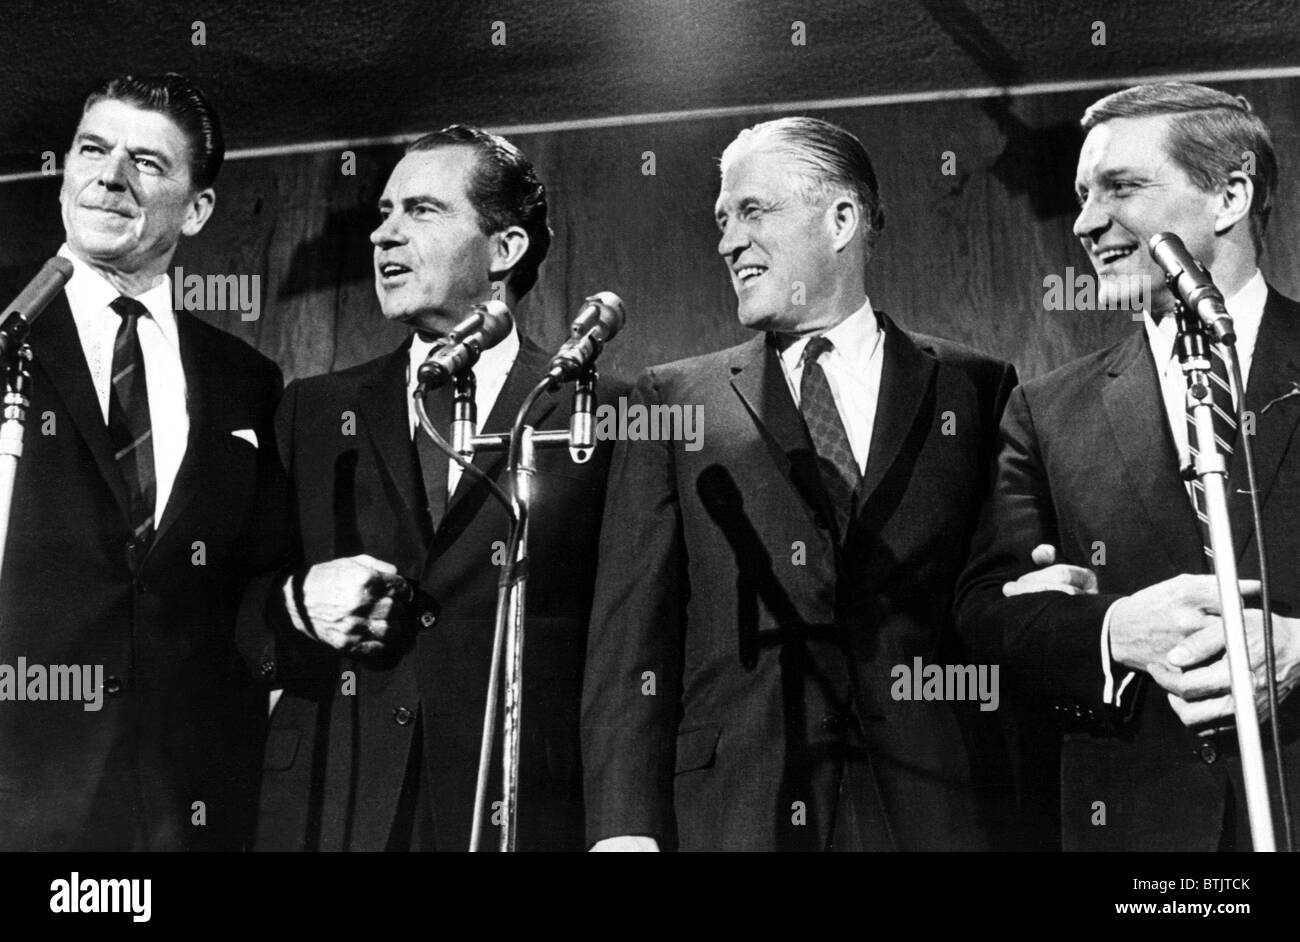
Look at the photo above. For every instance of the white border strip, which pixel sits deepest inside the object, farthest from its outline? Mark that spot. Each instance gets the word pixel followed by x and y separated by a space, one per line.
pixel 824 104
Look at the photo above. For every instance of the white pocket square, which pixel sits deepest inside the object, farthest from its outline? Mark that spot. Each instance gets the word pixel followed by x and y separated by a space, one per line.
pixel 247 434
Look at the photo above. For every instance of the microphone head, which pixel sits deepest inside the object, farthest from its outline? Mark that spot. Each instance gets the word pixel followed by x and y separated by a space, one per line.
pixel 609 311
pixel 1169 253
pixel 497 322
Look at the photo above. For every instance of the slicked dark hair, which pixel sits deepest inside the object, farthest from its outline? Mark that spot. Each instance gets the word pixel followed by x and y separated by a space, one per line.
pixel 181 100
pixel 834 159
pixel 504 190
pixel 1211 135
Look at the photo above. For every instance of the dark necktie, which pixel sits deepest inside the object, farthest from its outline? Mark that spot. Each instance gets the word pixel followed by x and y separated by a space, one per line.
pixel 839 469
pixel 128 419
pixel 1225 430
pixel 433 463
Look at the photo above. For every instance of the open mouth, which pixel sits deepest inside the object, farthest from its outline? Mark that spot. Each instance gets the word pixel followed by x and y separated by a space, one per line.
pixel 391 270
pixel 1113 254
pixel 747 274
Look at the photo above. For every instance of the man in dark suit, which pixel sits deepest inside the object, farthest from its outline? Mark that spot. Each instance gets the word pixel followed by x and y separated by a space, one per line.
pixel 381 637
pixel 760 593
pixel 138 510
pixel 1130 656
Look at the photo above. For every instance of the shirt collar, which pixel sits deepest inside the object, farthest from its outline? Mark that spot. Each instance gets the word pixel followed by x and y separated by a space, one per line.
pixel 90 294
pixel 854 338
pixel 1246 307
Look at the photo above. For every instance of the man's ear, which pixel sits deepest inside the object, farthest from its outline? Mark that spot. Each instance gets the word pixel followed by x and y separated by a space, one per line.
pixel 508 247
pixel 845 217
pixel 200 210
pixel 1235 199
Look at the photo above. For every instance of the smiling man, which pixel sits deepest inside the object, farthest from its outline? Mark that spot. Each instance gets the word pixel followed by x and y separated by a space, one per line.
pixel 381 633
pixel 142 506
pixel 757 595
pixel 1130 656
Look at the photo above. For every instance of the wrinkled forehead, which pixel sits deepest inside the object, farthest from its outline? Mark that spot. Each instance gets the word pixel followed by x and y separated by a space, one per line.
pixel 114 120
pixel 443 172
pixel 1124 144
pixel 760 169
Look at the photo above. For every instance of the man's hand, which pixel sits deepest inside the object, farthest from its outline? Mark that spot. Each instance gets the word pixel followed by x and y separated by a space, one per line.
pixel 1053 577
pixel 1200 694
pixel 354 605
pixel 1150 623
pixel 626 843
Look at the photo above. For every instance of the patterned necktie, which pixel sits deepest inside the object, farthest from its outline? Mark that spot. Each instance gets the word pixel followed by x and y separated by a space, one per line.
pixel 128 419
pixel 839 469
pixel 1225 431
pixel 433 463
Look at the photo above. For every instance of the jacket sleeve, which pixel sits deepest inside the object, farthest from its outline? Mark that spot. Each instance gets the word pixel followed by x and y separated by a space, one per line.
pixel 1048 643
pixel 633 681
pixel 277 653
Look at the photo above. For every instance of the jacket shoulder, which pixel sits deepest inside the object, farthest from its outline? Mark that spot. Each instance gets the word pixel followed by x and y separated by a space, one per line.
pixel 236 352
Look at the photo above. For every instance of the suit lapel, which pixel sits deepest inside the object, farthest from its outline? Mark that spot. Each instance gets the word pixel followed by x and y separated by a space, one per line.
pixel 385 417
pixel 56 349
pixel 1272 399
pixel 760 382
pixel 201 374
pixel 905 378
pixel 1135 413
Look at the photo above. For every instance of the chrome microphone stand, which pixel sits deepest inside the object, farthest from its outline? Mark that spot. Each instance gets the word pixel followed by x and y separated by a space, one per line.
pixel 1192 346
pixel 521 446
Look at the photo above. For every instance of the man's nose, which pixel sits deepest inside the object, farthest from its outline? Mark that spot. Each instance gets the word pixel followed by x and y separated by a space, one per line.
pixel 115 171
pixel 386 233
pixel 733 238
pixel 1092 221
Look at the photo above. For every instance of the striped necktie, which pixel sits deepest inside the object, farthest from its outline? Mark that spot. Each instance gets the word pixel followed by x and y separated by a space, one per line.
pixel 128 419
pixel 1225 432
pixel 839 469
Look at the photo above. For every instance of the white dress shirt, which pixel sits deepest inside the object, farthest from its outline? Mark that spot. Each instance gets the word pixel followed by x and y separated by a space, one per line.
pixel 853 370
pixel 89 296
pixel 1247 309
pixel 490 374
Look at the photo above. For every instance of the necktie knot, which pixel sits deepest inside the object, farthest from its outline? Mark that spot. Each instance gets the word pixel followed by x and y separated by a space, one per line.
pixel 129 309
pixel 815 348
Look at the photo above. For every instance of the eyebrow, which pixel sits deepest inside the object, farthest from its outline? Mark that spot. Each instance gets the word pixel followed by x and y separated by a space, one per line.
pixel 741 203
pixel 93 138
pixel 411 201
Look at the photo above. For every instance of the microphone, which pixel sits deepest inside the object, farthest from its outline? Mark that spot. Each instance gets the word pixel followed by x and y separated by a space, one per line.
pixel 599 320
pixel 486 326
pixel 40 291
pixel 582 421
pixel 1193 285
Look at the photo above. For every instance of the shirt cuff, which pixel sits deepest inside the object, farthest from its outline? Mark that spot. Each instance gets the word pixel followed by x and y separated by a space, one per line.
pixel 1109 694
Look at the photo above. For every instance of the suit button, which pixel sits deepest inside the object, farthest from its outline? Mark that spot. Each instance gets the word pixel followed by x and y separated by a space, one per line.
pixel 427 619
pixel 1208 753
pixel 267 668
pixel 112 685
pixel 403 717
pixel 834 722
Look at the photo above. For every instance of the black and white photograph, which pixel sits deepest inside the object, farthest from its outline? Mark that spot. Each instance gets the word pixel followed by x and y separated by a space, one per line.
pixel 649 426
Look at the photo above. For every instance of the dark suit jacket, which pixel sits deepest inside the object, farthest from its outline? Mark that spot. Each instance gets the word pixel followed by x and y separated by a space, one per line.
pixel 336 758
pixel 182 722
pixel 1089 465
pixel 736 649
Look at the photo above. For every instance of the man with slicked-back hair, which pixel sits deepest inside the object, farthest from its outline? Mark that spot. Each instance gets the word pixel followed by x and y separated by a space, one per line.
pixel 146 498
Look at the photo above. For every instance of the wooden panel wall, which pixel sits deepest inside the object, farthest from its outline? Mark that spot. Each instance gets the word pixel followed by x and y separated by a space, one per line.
pixel 962 256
